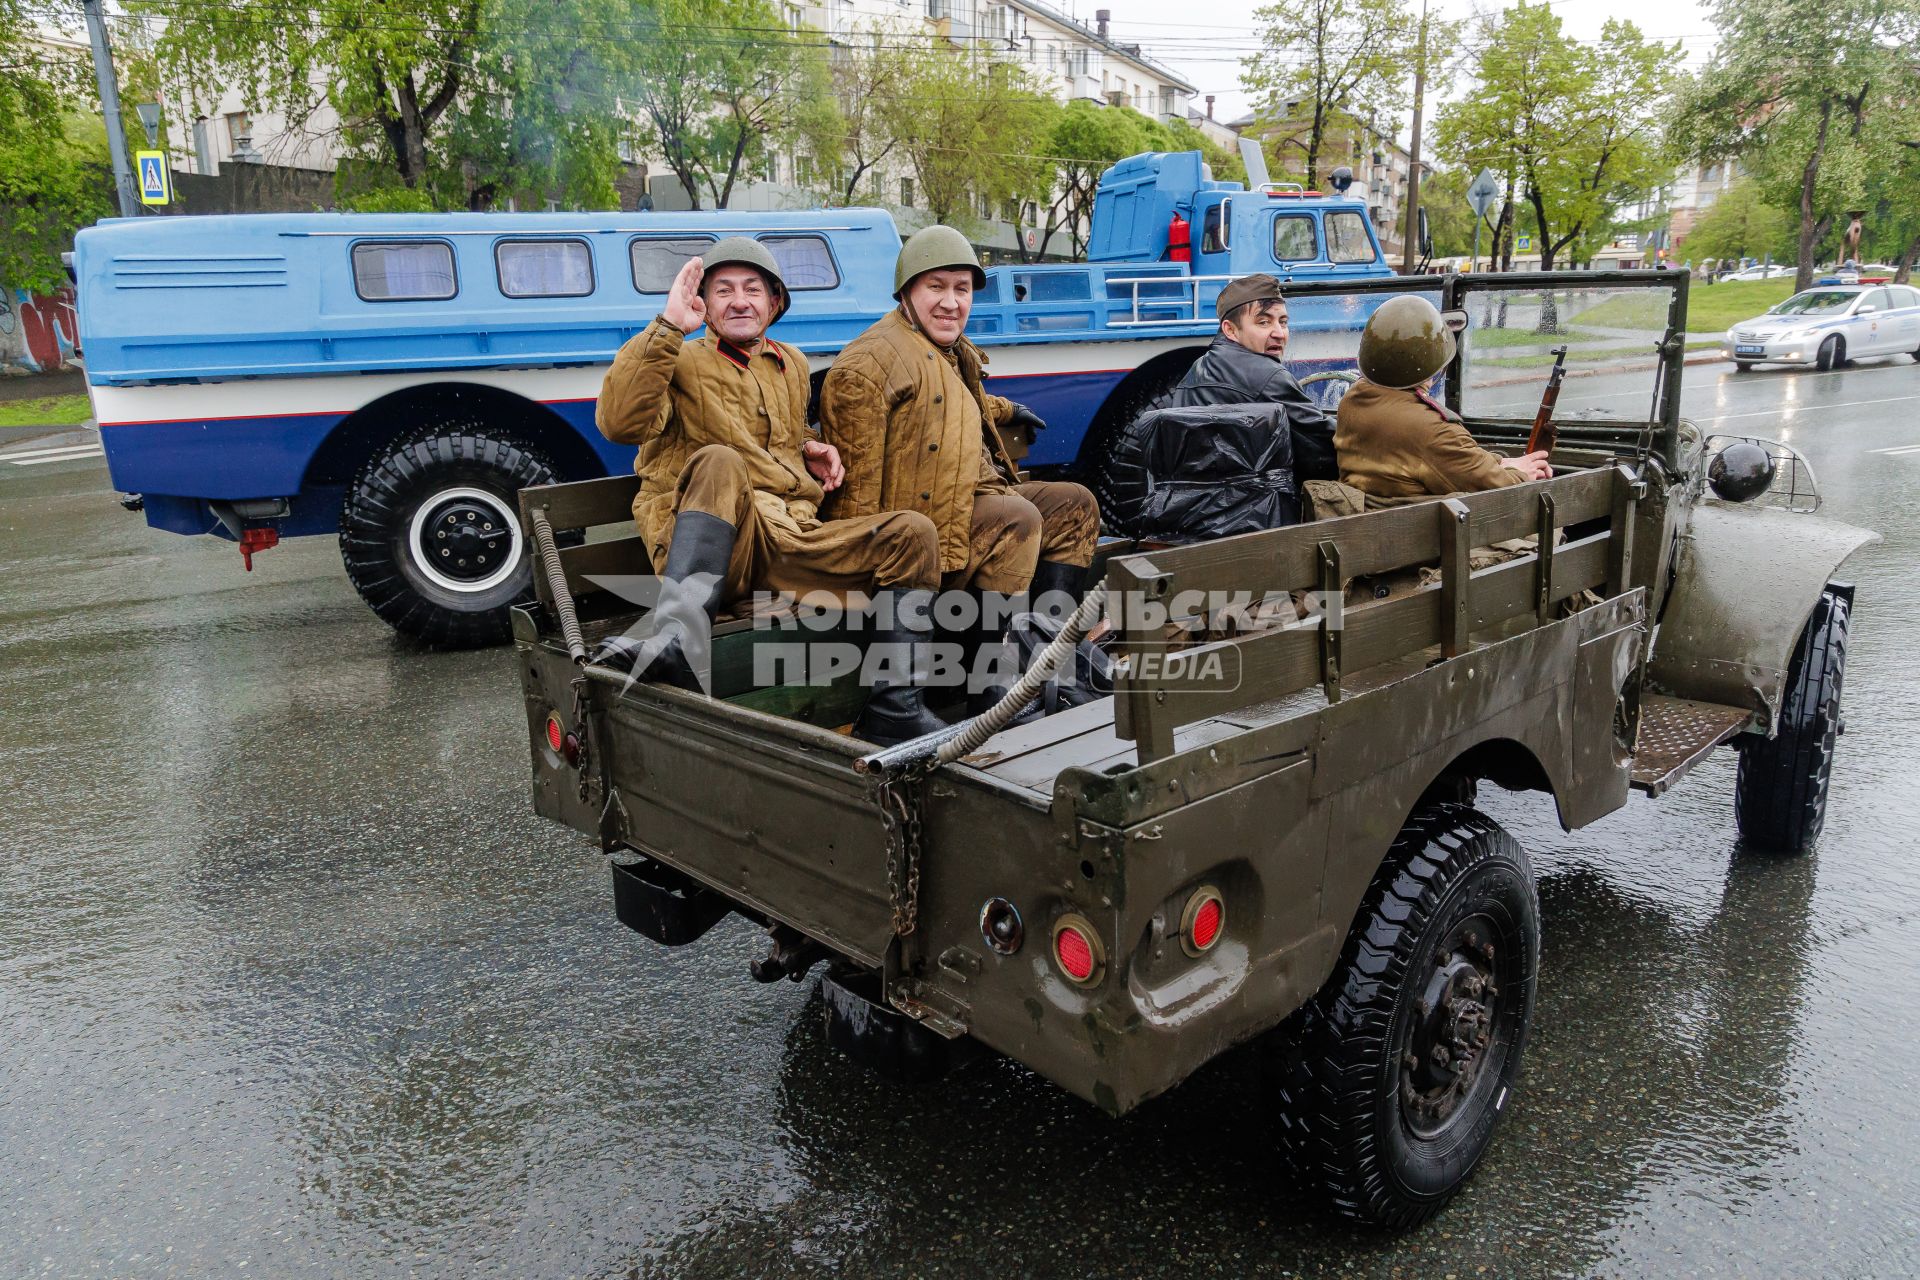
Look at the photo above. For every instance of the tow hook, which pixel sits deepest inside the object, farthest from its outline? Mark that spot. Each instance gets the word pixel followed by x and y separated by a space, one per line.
pixel 792 955
pixel 252 540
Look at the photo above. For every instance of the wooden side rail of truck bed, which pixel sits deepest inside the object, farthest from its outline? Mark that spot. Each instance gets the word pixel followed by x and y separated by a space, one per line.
pixel 1153 698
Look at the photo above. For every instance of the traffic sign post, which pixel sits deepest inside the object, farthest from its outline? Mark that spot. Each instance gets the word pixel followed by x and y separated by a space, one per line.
pixel 1480 194
pixel 156 185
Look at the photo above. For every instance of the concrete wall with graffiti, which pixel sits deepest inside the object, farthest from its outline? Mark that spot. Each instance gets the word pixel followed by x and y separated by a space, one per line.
pixel 37 331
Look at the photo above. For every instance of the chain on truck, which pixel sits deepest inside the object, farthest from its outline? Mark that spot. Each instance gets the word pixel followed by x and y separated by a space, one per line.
pixel 397 379
pixel 1117 893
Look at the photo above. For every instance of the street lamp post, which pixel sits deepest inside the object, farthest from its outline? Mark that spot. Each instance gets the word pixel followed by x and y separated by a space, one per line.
pixel 110 108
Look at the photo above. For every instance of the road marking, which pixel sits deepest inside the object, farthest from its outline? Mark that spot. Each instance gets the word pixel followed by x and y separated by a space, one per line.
pixel 1794 411
pixel 1905 448
pixel 58 448
pixel 73 454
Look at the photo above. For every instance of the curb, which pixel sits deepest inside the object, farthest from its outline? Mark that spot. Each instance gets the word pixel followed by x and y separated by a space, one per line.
pixel 1697 357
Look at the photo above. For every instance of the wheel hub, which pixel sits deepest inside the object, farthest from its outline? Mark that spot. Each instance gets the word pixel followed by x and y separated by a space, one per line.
pixel 465 539
pixel 1446 1052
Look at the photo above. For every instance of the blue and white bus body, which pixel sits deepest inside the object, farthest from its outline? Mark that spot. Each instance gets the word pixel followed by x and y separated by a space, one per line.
pixel 243 373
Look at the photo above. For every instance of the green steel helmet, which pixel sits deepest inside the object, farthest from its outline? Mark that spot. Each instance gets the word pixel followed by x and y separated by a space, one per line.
pixel 931 249
pixel 1407 341
pixel 746 252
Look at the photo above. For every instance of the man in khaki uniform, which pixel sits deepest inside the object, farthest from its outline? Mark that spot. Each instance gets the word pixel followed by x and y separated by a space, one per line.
pixel 1395 442
pixel 731 480
pixel 905 405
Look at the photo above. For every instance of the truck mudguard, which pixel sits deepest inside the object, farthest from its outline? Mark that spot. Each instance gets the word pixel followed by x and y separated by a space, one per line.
pixel 1748 578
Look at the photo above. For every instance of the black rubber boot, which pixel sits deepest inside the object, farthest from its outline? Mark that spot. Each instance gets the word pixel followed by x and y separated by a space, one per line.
pixel 897 713
pixel 1053 581
pixel 682 620
pixel 984 641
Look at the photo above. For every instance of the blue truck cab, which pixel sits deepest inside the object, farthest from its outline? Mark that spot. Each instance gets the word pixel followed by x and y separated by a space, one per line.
pixel 397 378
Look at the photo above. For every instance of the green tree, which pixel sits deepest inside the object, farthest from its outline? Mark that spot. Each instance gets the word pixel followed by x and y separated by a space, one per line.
pixel 459 101
pixel 1574 128
pixel 54 177
pixel 1443 194
pixel 723 85
pixel 1809 128
pixel 1741 224
pixel 1325 61
pixel 963 121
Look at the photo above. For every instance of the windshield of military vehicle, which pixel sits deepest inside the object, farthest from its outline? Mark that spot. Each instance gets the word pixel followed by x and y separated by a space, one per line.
pixel 1817 302
pixel 1610 333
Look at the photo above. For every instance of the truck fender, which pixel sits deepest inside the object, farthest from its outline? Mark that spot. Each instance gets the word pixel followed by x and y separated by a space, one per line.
pixel 1745 582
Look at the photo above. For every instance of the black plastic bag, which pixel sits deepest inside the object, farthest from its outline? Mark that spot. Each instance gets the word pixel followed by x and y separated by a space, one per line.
pixel 1186 475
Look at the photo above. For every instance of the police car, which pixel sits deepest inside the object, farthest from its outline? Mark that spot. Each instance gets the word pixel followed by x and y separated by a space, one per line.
pixel 1829 325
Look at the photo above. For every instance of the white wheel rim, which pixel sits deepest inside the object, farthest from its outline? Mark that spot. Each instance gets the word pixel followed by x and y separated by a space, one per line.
pixel 418 539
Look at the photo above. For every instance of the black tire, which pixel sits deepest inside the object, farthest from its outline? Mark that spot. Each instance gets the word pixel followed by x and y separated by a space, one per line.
pixel 461 482
pixel 1780 788
pixel 1832 354
pixel 1743 366
pixel 1093 467
pixel 1376 1120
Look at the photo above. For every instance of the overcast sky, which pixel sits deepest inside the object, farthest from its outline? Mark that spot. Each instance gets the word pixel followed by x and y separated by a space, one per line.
pixel 1208 46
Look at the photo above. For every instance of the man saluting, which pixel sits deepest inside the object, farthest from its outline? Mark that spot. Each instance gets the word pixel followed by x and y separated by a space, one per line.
pixel 731 479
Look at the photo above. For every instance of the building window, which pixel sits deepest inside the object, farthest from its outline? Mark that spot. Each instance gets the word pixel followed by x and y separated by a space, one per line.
pixel 404 271
pixel 906 193
pixel 656 261
pixel 544 268
pixel 239 125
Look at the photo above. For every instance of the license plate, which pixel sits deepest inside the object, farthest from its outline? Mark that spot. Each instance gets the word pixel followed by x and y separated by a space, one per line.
pixel 1749 349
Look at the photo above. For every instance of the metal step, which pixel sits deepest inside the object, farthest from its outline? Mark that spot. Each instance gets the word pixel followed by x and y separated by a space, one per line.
pixel 1677 734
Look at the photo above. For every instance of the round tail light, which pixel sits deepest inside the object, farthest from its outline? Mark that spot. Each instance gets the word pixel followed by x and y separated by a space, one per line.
pixel 1203 921
pixel 1077 950
pixel 556 732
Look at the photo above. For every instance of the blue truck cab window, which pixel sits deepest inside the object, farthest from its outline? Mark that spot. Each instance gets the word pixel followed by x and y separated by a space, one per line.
pixel 658 259
pixel 404 270
pixel 805 261
pixel 1293 239
pixel 1347 238
pixel 544 268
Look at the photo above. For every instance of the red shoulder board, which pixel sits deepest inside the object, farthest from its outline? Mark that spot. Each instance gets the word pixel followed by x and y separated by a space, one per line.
pixel 1435 405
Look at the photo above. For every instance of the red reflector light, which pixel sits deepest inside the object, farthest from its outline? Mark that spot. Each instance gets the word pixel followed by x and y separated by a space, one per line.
pixel 1203 920
pixel 1076 957
pixel 556 736
pixel 1076 949
pixel 1206 924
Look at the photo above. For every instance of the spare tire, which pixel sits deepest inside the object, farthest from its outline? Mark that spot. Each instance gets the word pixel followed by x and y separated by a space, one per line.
pixel 431 538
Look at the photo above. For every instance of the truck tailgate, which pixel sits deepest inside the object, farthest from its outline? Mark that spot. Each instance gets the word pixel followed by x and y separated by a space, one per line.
pixel 768 812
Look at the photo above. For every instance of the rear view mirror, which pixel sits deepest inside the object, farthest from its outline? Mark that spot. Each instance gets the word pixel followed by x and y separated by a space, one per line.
pixel 1426 235
pixel 1866 309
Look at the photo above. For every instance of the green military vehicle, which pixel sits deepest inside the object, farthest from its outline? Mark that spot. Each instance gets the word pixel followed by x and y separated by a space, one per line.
pixel 1270 833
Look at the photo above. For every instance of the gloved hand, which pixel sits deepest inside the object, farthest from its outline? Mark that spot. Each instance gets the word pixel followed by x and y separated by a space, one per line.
pixel 1025 418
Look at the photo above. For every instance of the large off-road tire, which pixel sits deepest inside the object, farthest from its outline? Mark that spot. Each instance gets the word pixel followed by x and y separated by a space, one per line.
pixel 1114 491
pixel 1409 1054
pixel 1832 353
pixel 1780 789
pixel 431 535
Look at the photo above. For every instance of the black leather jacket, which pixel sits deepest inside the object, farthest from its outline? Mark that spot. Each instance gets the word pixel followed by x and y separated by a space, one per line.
pixel 1228 373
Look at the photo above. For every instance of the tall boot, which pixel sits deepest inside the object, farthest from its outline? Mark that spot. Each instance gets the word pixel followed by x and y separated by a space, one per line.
pixel 897 713
pixel 989 637
pixel 1052 581
pixel 690 587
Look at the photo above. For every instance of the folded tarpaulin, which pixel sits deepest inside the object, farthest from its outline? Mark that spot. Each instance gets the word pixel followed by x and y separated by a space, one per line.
pixel 1187 475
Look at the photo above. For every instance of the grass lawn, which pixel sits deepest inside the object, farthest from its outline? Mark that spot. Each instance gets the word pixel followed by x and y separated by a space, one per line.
pixel 45 411
pixel 1710 307
pixel 1484 339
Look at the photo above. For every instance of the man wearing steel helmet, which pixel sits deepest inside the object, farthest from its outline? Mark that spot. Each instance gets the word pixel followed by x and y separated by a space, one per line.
pixel 1395 441
pixel 906 407
pixel 1244 365
pixel 731 480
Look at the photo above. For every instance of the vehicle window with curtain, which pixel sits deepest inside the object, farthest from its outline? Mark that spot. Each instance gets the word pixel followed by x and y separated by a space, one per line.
pixel 657 261
pixel 544 268
pixel 805 261
pixel 1293 239
pixel 403 271
pixel 1347 239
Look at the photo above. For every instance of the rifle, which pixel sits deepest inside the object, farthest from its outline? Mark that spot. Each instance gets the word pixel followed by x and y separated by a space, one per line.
pixel 1545 434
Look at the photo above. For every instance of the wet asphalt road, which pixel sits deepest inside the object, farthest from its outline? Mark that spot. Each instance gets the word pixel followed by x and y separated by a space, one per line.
pixel 293 983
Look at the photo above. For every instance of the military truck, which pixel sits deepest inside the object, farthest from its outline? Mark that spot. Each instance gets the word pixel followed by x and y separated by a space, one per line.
pixel 1273 836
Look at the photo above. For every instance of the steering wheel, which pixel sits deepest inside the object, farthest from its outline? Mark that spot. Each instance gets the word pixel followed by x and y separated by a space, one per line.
pixel 1328 386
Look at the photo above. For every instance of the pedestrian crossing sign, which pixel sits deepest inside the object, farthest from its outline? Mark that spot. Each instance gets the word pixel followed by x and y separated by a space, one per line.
pixel 156 186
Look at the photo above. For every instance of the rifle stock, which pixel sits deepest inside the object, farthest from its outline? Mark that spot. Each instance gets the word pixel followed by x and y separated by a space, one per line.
pixel 1545 433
